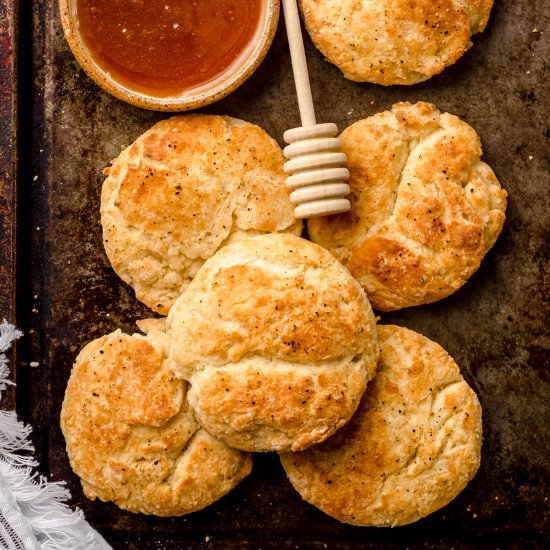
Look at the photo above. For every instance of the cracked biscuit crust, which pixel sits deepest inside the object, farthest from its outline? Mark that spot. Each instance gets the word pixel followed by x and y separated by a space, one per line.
pixel 131 436
pixel 393 41
pixel 277 340
pixel 412 446
pixel 425 208
pixel 182 190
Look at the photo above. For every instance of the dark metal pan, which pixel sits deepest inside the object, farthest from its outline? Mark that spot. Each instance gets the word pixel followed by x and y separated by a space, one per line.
pixel 64 131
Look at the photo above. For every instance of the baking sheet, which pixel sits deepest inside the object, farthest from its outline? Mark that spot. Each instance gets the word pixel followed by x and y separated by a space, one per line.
pixel 8 167
pixel 495 326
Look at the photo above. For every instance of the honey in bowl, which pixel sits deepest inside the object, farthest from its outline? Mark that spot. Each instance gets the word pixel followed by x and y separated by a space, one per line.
pixel 169 48
pixel 138 51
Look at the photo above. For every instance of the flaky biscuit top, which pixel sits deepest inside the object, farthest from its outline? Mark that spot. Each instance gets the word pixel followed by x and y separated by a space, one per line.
pixel 412 446
pixel 131 436
pixel 393 41
pixel 274 336
pixel 425 208
pixel 183 189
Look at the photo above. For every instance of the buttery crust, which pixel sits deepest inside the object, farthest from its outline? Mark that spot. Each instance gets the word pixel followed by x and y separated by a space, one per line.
pixel 425 208
pixel 393 41
pixel 149 325
pixel 131 436
pixel 412 446
pixel 277 340
pixel 182 190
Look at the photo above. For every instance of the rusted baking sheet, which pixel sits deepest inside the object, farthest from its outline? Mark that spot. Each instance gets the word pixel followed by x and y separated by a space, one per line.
pixel 495 326
pixel 8 167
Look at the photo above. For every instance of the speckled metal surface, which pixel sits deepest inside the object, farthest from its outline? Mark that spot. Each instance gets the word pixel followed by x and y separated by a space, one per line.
pixel 8 168
pixel 495 326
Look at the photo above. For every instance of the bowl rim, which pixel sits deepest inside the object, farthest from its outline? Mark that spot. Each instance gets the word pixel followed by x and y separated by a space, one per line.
pixel 174 104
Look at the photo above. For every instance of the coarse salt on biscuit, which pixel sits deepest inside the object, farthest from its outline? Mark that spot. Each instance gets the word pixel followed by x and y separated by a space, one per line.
pixel 412 446
pixel 277 340
pixel 393 41
pixel 131 436
pixel 186 187
pixel 424 208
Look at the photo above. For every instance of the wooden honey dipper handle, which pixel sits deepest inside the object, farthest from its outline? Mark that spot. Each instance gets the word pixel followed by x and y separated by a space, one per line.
pixel 316 166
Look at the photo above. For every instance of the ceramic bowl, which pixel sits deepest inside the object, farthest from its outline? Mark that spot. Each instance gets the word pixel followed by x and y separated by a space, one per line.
pixel 222 87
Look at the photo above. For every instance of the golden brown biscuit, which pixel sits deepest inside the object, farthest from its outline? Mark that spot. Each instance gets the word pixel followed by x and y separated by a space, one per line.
pixel 277 340
pixel 412 446
pixel 425 209
pixel 182 190
pixel 131 436
pixel 393 41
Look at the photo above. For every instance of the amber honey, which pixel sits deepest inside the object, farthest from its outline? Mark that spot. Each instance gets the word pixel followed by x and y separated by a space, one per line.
pixel 166 48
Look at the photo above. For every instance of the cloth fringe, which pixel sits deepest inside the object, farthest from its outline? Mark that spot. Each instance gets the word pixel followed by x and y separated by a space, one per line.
pixel 54 525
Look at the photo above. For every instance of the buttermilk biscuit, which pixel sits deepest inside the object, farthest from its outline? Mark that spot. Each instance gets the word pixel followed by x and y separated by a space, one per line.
pixel 412 446
pixel 131 436
pixel 393 41
pixel 182 190
pixel 277 340
pixel 424 208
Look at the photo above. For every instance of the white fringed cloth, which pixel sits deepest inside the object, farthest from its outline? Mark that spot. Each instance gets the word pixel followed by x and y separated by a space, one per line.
pixel 33 512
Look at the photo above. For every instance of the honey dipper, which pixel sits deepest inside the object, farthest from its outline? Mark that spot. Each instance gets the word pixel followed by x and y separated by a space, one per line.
pixel 316 164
